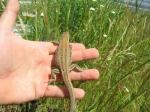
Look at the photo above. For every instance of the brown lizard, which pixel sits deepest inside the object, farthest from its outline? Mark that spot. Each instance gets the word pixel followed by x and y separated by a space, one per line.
pixel 63 63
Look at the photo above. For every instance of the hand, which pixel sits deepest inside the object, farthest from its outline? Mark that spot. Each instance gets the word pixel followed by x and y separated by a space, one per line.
pixel 25 66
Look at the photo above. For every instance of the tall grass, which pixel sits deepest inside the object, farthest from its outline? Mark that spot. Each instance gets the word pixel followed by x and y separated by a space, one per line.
pixel 122 37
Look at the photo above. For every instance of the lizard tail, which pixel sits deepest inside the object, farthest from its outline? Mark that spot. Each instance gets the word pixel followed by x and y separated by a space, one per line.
pixel 72 97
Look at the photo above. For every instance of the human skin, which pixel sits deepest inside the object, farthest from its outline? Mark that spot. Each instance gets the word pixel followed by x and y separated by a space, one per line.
pixel 25 66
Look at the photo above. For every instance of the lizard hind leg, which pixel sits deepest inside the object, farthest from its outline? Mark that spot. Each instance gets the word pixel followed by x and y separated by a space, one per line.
pixel 76 68
pixel 54 72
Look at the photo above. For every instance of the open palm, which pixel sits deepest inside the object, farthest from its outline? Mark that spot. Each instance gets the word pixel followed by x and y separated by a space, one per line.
pixel 25 67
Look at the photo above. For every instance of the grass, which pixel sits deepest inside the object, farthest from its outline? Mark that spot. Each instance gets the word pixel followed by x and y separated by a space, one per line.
pixel 122 37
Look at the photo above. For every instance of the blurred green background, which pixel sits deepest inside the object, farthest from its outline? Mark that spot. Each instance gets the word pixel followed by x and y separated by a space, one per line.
pixel 122 36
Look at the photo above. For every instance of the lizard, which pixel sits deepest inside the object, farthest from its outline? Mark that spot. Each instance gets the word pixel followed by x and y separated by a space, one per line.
pixel 63 64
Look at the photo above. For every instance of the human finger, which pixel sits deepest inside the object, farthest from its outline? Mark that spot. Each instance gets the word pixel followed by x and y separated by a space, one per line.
pixel 85 54
pixel 61 92
pixel 79 55
pixel 51 47
pixel 90 74
pixel 8 17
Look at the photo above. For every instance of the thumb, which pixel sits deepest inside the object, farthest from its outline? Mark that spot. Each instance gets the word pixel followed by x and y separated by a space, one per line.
pixel 9 16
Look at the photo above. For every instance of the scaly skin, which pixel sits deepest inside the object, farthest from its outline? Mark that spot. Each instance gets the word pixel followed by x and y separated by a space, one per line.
pixel 63 61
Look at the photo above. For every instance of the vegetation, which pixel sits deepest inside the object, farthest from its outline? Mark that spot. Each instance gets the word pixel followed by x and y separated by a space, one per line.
pixel 122 37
